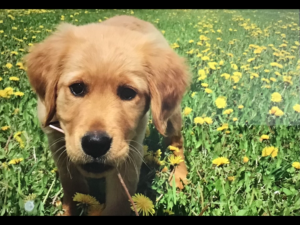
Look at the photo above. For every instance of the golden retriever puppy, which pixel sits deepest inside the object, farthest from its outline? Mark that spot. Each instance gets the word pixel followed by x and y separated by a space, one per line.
pixel 98 81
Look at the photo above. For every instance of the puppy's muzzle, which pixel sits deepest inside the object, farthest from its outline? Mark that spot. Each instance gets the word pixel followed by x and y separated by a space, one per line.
pixel 96 143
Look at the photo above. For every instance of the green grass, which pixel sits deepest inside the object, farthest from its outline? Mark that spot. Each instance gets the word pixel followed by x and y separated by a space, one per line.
pixel 262 186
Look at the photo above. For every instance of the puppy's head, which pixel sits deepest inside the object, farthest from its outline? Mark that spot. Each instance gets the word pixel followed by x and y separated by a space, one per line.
pixel 99 81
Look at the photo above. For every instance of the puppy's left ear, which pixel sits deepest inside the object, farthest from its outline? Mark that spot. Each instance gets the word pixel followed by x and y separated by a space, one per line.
pixel 168 78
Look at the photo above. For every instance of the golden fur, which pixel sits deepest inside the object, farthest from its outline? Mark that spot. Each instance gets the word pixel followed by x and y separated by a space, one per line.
pixel 122 50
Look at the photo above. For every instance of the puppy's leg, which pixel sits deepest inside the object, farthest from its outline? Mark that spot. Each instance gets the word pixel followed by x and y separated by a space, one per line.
pixel 175 139
pixel 71 179
pixel 117 202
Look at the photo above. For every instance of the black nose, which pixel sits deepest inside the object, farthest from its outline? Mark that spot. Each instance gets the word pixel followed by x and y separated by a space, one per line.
pixel 96 144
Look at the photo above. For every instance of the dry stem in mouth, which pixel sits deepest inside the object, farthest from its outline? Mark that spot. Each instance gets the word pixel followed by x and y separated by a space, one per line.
pixel 119 176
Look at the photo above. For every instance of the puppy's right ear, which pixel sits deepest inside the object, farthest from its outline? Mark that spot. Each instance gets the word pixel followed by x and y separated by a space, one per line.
pixel 45 64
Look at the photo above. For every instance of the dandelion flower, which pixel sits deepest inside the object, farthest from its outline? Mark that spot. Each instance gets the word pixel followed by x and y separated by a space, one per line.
pixel 205 58
pixel 270 151
pixel 175 160
pixel 265 137
pixel 208 120
pixel 276 97
pixel 212 65
pixel 226 75
pixel 228 111
pixel 245 159
pixel 169 212
pixel 14 78
pixel 173 148
pixel 234 66
pixel 187 111
pixel 297 108
pixel 221 102
pixel 223 127
pixel 143 204
pixel 240 106
pixel 207 90
pixel 18 139
pixel 296 165
pixel 5 128
pixel 231 178
pixel 235 119
pixel 198 120
pixel 29 205
pixel 204 85
pixel 85 199
pixel 220 161
pixel 15 161
pixel 9 65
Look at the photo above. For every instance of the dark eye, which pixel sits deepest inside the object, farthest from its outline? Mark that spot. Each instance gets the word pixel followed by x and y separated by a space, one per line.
pixel 78 89
pixel 126 93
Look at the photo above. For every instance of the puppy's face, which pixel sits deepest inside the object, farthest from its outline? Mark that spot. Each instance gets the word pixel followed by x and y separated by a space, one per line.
pixel 100 104
pixel 98 82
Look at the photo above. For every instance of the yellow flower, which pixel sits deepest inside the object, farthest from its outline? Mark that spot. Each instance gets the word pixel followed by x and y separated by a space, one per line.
pixel 173 148
pixel 240 106
pixel 231 178
pixel 279 113
pixel 288 79
pixel 277 73
pixel 223 127
pixel 235 79
pixel 204 85
pixel 191 41
pixel 297 108
pixel 54 170
pixel 221 102
pixel 190 52
pixel 208 120
pixel 15 161
pixel 270 151
pixel 85 199
pixel 193 94
pixel 276 97
pixel 5 127
pixel 235 119
pixel 207 90
pixel 296 165
pixel 212 65
pixel 238 74
pixel 234 66
pixel 273 79
pixel 143 204
pixel 163 32
pixel 227 111
pixel 250 60
pixel 187 111
pixel 18 139
pixel 158 153
pixel 265 137
pixel 9 65
pixel 245 159
pixel 175 160
pixel 221 62
pixel 267 71
pixel 205 58
pixel 219 39
pixel 226 75
pixel 14 78
pixel 198 120
pixel 220 161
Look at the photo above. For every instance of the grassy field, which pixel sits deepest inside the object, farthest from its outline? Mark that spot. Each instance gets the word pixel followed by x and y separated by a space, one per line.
pixel 243 105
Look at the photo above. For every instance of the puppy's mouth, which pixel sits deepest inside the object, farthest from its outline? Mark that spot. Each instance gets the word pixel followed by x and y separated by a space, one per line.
pixel 96 167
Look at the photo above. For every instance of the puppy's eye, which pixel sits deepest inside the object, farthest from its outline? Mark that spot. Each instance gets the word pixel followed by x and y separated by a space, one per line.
pixel 78 89
pixel 126 93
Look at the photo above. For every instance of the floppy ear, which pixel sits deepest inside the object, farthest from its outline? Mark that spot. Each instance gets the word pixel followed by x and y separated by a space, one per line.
pixel 44 65
pixel 168 78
